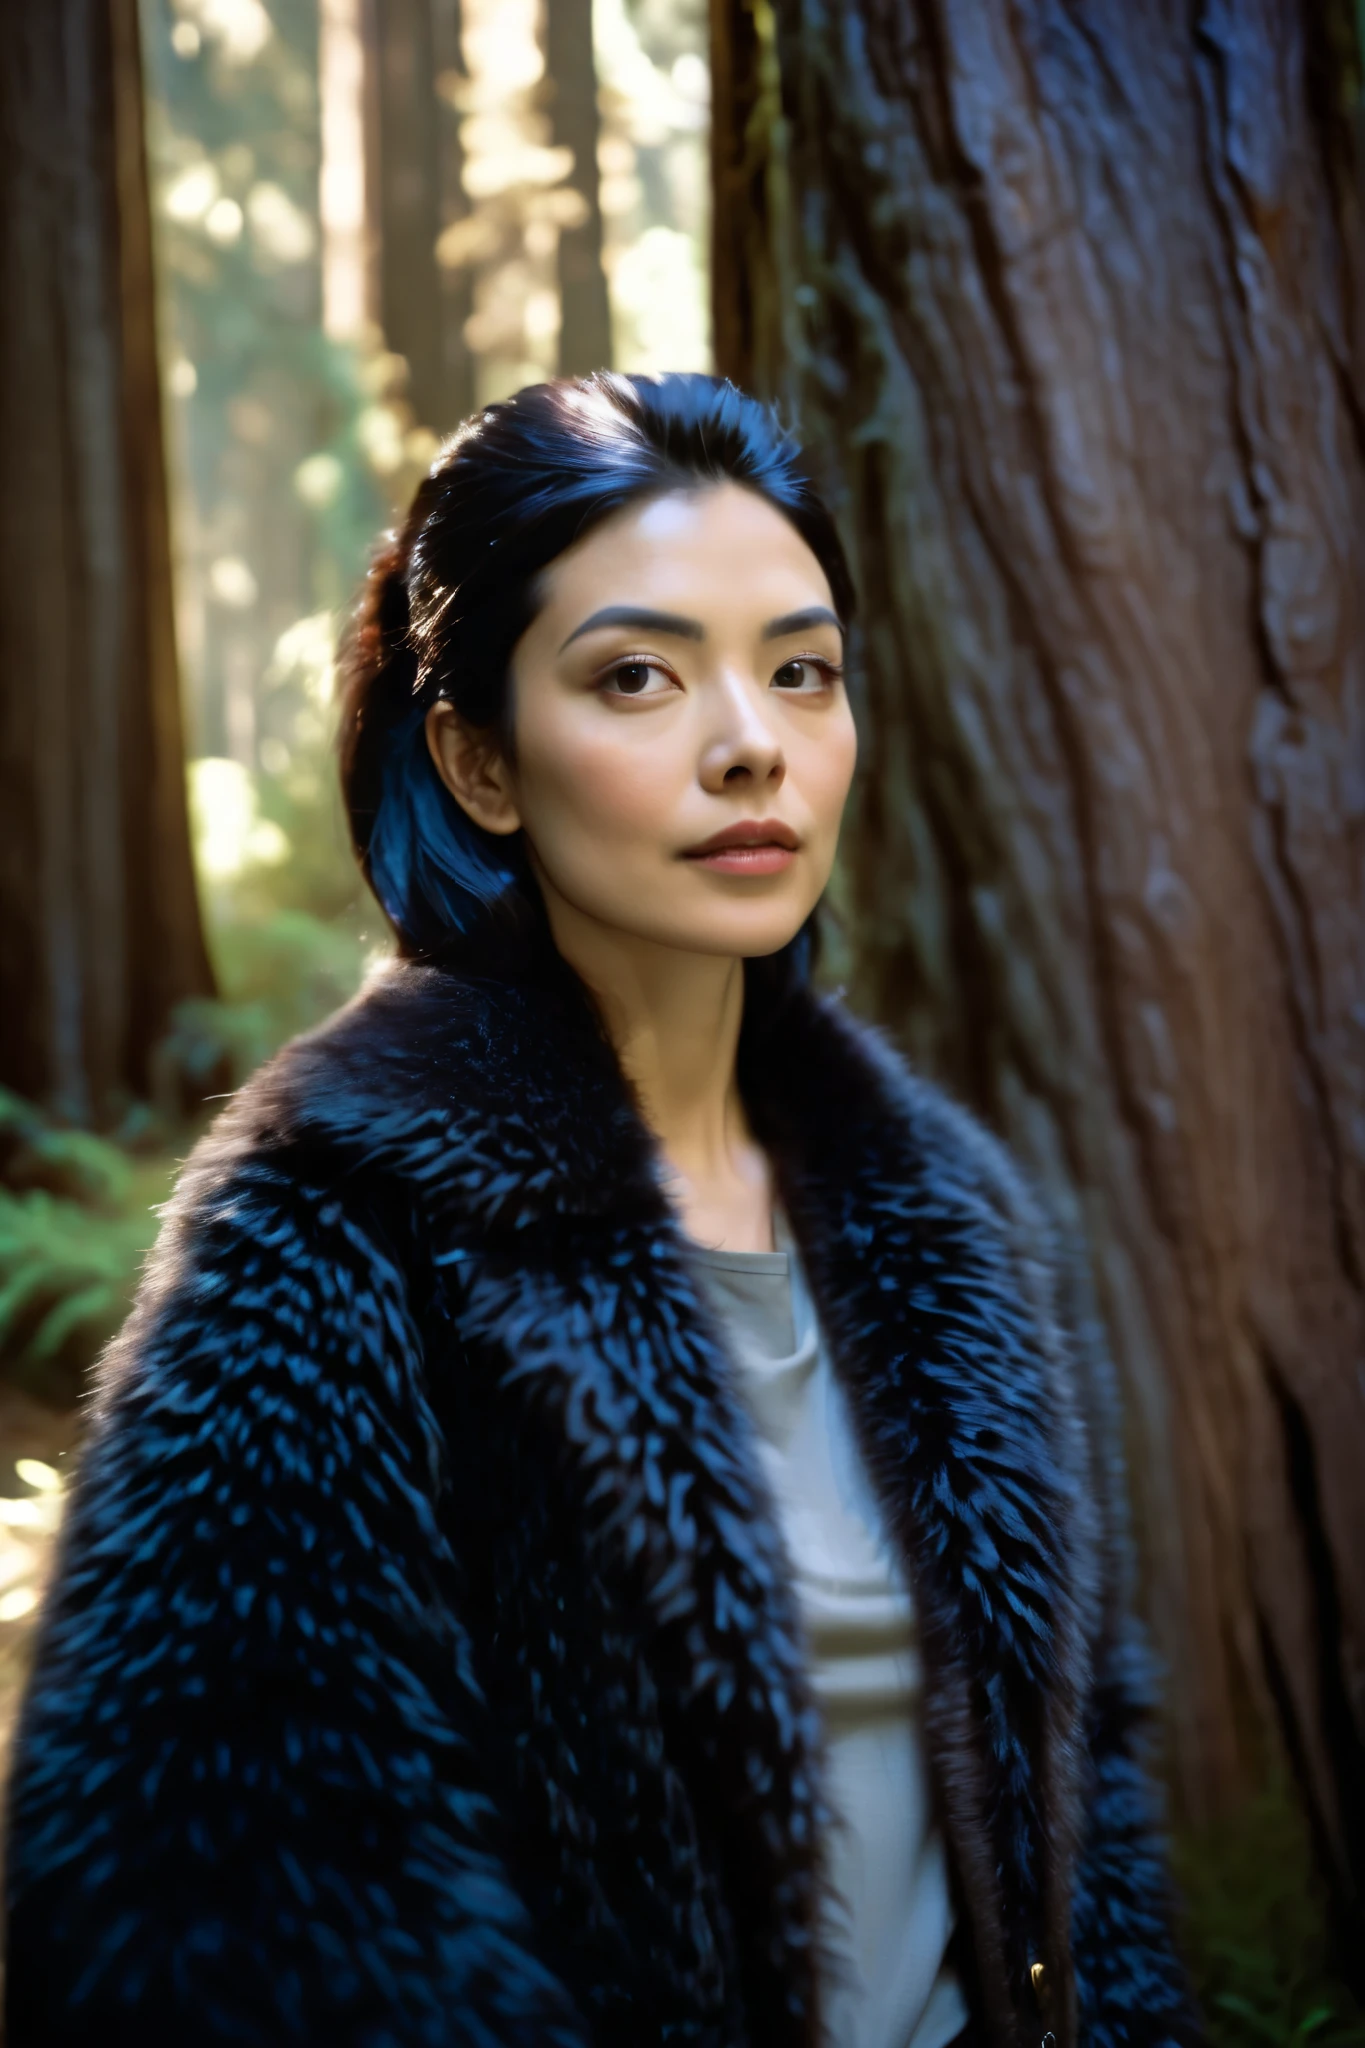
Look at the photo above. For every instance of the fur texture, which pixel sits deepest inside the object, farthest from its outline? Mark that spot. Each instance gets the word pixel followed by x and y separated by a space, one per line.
pixel 422 1666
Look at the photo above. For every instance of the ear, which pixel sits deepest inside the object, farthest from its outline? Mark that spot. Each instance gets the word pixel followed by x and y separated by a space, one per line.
pixel 472 769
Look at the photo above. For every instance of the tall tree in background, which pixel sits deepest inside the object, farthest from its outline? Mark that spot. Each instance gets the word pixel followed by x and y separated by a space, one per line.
pixel 413 174
pixel 1071 305
pixel 99 921
pixel 585 312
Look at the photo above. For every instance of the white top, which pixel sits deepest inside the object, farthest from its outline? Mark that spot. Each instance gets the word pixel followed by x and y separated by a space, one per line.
pixel 892 1915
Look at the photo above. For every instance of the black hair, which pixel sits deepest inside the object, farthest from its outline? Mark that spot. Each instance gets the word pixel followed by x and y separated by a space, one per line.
pixel 450 595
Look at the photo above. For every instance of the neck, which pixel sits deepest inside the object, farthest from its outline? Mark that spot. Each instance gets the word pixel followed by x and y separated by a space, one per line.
pixel 674 1019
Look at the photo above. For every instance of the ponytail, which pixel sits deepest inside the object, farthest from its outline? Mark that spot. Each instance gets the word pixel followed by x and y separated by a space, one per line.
pixel 435 873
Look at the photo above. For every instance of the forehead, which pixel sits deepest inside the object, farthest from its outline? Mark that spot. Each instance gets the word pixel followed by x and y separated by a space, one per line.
pixel 709 550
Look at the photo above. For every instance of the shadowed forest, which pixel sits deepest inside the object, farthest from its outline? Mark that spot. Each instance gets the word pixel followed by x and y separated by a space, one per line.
pixel 1068 302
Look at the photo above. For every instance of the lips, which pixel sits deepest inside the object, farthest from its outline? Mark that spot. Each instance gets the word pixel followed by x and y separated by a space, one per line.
pixel 754 846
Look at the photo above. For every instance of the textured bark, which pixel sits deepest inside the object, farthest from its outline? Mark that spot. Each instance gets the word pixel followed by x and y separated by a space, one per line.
pixel 99 920
pixel 585 313
pixel 413 165
pixel 1070 303
pixel 750 238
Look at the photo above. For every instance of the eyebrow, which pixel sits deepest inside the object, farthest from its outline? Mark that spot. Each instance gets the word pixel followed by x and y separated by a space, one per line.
pixel 801 622
pixel 641 619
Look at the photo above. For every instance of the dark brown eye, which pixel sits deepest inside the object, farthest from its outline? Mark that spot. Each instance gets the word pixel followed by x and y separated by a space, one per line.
pixel 635 678
pixel 805 673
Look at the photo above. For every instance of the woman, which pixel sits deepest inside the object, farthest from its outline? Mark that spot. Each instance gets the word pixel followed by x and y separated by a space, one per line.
pixel 595 1531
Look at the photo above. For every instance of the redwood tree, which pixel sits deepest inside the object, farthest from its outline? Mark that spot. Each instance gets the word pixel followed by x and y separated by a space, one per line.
pixel 571 85
pixel 1070 303
pixel 99 921
pixel 413 179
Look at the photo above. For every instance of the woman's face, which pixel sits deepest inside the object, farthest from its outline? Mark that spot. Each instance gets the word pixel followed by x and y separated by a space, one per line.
pixel 684 744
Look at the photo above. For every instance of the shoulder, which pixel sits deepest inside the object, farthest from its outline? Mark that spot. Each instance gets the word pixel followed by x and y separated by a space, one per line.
pixel 899 1154
pixel 1010 1220
pixel 475 1102
pixel 368 1088
pixel 968 1171
pixel 863 1099
pixel 981 1213
pixel 412 1034
pixel 954 1142
pixel 285 1178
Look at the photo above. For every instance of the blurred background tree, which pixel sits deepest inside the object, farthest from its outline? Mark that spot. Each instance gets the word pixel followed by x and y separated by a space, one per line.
pixel 99 926
pixel 1071 307
pixel 414 167
pixel 571 77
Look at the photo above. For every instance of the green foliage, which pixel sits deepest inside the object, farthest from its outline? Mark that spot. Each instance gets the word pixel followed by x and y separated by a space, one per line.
pixel 77 1215
pixel 1256 1932
pixel 234 143
pixel 66 1277
pixel 72 1163
pixel 281 974
pixel 293 966
pixel 291 447
pixel 287 923
pixel 78 1211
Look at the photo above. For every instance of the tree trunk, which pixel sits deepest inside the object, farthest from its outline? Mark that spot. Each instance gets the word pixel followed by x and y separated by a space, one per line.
pixel 1070 304
pixel 414 190
pixel 99 919
pixel 585 312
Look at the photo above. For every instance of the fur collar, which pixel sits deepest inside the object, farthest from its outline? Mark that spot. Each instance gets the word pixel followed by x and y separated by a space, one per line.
pixel 502 1111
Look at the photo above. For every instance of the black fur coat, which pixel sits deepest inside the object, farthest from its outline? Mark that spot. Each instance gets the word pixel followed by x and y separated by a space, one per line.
pixel 422 1665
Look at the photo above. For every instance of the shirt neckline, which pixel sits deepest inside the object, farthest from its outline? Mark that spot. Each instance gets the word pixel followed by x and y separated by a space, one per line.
pixel 742 1262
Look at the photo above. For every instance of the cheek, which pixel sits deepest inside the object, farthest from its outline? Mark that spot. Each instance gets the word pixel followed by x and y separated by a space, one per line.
pixel 827 772
pixel 617 785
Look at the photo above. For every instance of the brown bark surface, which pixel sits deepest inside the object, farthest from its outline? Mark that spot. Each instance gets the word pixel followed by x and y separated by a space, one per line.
pixel 571 79
pixel 1069 303
pixel 99 920
pixel 413 165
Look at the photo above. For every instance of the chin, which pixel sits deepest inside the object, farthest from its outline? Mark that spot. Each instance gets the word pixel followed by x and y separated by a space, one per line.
pixel 738 938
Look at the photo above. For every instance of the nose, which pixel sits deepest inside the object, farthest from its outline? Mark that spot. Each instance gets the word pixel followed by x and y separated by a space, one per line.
pixel 742 750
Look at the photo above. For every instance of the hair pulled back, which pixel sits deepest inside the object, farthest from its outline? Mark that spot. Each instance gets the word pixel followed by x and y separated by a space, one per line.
pixel 447 600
